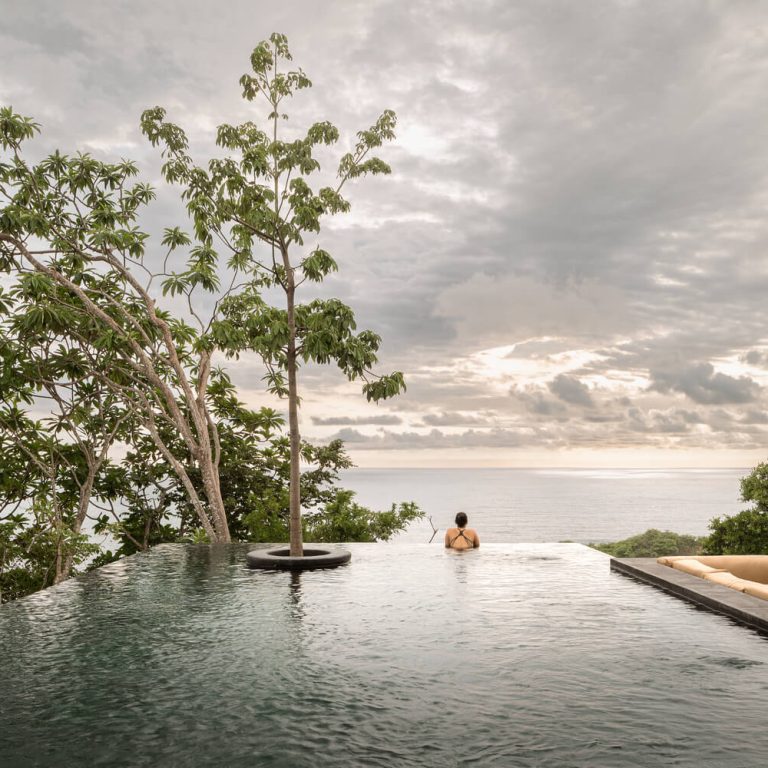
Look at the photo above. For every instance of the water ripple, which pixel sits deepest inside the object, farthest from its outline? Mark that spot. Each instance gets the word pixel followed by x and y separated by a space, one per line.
pixel 515 655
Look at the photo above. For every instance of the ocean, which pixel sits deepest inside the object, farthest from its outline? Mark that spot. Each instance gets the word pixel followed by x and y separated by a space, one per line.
pixel 550 505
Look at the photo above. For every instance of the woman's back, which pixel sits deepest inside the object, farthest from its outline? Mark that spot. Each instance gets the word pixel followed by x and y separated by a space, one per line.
pixel 461 538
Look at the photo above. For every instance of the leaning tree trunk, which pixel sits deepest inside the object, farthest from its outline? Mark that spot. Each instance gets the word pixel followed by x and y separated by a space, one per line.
pixel 82 512
pixel 58 566
pixel 195 434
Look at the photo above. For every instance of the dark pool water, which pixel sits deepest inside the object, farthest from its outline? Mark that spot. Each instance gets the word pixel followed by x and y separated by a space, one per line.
pixel 513 655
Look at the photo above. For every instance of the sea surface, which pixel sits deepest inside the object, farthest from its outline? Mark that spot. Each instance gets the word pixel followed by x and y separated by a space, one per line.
pixel 550 505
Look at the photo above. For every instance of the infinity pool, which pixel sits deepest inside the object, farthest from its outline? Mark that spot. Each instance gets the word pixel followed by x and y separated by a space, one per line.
pixel 511 655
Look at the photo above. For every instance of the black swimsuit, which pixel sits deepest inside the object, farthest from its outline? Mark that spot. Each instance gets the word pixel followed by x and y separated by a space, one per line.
pixel 462 535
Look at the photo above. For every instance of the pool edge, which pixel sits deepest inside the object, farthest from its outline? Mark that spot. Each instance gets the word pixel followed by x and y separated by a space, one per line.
pixel 745 609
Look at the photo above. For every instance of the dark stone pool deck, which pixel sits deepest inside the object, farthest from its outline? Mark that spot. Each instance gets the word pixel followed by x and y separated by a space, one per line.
pixel 745 609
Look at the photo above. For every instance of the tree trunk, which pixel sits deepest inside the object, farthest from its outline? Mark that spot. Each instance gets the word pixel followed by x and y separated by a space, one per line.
pixel 82 511
pixel 58 574
pixel 212 487
pixel 297 547
pixel 209 448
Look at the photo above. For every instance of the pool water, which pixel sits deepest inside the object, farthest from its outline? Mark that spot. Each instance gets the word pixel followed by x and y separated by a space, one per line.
pixel 511 655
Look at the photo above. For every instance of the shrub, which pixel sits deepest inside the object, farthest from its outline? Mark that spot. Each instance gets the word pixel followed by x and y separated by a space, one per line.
pixel 745 533
pixel 653 543
pixel 345 520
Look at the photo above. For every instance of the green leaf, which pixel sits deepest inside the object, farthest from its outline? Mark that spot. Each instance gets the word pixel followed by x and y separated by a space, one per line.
pixel 318 264
pixel 175 284
pixel 174 237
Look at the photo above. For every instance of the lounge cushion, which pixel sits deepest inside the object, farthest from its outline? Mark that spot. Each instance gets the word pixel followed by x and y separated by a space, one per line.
pixel 669 559
pixel 727 579
pixel 751 567
pixel 694 567
pixel 757 590
pixel 744 573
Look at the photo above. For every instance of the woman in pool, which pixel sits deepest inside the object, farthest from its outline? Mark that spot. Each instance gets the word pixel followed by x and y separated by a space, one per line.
pixel 461 537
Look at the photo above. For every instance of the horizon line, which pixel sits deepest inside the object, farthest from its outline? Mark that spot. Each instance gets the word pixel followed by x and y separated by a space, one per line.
pixel 574 468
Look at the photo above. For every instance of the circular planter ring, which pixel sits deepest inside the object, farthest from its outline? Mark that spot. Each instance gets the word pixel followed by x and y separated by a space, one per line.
pixel 313 558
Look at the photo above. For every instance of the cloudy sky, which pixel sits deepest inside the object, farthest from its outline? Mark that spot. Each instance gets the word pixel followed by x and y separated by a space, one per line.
pixel 569 262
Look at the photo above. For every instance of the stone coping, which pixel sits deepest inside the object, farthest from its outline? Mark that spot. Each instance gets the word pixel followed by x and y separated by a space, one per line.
pixel 742 608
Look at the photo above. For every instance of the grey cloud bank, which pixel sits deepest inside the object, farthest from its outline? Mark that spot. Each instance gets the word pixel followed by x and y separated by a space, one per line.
pixel 570 252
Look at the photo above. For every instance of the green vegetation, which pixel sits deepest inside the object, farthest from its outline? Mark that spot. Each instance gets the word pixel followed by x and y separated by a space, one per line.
pixel 112 409
pixel 261 196
pixel 745 533
pixel 654 543
pixel 28 552
pixel 344 520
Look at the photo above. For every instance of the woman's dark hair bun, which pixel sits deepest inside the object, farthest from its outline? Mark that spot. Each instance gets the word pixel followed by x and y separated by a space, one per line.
pixel 461 519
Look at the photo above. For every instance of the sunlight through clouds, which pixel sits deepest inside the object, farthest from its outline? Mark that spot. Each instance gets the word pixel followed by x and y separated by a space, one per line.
pixel 569 256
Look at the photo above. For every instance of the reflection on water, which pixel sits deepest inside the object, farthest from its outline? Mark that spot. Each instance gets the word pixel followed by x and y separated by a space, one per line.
pixel 294 593
pixel 511 655
pixel 462 562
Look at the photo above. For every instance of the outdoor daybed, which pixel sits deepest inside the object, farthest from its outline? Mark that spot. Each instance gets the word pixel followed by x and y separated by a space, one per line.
pixel 744 573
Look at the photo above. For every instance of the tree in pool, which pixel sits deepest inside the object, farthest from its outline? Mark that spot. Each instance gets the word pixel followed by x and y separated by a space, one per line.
pixel 258 205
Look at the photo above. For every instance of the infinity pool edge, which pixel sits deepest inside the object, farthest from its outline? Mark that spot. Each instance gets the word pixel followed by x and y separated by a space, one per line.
pixel 745 609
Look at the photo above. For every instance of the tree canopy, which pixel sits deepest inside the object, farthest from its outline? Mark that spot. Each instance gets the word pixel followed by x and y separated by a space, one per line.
pixel 262 194
pixel 115 406
pixel 745 533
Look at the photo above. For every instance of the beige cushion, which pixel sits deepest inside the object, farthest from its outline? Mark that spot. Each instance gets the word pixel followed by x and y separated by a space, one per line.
pixel 757 590
pixel 693 566
pixel 744 573
pixel 750 567
pixel 727 579
pixel 669 559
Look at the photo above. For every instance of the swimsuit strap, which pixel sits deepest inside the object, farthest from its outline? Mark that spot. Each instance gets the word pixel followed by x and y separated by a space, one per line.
pixel 462 535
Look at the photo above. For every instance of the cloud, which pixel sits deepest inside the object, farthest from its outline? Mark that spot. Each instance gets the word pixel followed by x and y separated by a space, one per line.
pixel 453 419
pixel 588 186
pixel 703 385
pixel 338 421
pixel 435 438
pixel 539 404
pixel 507 309
pixel 612 429
pixel 754 417
pixel 756 357
pixel 571 390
